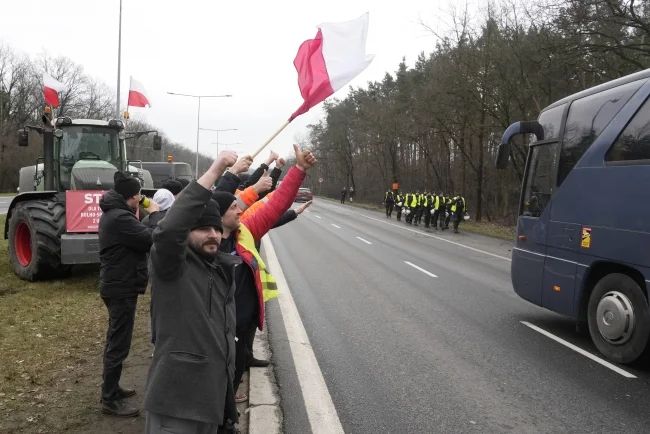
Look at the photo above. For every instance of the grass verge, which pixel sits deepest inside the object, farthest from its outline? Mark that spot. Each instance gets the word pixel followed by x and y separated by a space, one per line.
pixel 485 228
pixel 7 194
pixel 52 338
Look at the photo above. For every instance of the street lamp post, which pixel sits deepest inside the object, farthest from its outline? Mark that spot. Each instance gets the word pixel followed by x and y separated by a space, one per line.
pixel 217 131
pixel 198 120
pixel 119 64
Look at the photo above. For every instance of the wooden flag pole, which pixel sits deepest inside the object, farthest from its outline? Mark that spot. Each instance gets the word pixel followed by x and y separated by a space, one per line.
pixel 261 148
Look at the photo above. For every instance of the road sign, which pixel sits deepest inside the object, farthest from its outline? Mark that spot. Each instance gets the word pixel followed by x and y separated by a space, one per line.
pixel 320 179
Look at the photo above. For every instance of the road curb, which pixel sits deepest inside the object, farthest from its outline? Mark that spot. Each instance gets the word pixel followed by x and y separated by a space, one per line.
pixel 264 413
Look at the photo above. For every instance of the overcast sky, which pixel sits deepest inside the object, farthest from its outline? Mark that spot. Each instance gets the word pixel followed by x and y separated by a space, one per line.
pixel 215 47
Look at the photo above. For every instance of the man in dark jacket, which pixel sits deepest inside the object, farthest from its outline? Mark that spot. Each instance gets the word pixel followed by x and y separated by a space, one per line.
pixel 123 246
pixel 190 381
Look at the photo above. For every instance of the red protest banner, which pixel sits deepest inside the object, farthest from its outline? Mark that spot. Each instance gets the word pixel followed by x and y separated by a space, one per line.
pixel 82 210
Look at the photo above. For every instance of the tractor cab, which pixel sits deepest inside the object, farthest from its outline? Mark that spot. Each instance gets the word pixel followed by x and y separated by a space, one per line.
pixel 53 223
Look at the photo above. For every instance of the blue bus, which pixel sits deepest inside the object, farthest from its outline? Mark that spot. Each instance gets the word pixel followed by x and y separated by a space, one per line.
pixel 583 233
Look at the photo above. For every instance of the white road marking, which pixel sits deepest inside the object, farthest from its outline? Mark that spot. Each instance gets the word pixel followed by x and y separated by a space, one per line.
pixel 580 350
pixel 307 210
pixel 427 235
pixel 365 241
pixel 318 401
pixel 421 269
pixel 336 226
pixel 317 216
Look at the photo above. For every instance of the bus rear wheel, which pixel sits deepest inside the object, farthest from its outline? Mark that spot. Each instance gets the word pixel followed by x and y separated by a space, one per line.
pixel 619 318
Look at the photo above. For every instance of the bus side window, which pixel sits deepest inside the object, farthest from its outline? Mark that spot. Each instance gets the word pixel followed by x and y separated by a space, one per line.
pixel 634 141
pixel 540 179
pixel 588 117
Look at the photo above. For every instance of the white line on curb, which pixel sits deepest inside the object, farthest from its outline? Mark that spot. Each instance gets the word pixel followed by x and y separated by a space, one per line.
pixel 336 226
pixel 580 350
pixel 365 241
pixel 424 234
pixel 421 269
pixel 318 402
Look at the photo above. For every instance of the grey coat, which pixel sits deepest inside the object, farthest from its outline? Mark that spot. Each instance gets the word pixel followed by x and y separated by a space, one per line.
pixel 193 309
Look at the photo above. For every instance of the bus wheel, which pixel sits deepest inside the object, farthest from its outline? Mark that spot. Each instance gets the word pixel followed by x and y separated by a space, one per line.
pixel 619 318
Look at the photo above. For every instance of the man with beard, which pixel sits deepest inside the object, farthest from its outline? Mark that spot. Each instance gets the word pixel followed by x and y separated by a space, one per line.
pixel 190 382
pixel 254 284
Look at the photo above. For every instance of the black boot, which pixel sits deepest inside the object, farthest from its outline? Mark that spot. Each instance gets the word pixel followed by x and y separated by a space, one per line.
pixel 257 363
pixel 119 408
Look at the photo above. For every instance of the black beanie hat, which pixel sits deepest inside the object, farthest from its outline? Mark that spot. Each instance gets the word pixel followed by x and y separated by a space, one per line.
pixel 172 185
pixel 184 182
pixel 125 185
pixel 224 199
pixel 211 217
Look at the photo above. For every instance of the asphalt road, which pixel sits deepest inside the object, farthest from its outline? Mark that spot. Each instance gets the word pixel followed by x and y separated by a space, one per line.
pixel 4 203
pixel 437 345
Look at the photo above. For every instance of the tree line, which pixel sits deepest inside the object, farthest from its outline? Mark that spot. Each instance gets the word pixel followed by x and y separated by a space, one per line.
pixel 436 125
pixel 22 103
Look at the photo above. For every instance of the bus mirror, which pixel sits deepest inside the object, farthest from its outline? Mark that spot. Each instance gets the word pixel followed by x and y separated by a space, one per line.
pixel 157 143
pixel 503 155
pixel 23 137
pixel 532 127
pixel 525 127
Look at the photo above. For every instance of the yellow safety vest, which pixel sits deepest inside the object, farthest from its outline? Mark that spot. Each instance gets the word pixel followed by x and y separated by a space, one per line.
pixel 262 277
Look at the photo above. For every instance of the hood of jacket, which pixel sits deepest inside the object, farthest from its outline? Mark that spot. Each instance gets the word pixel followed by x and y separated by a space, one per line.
pixel 113 200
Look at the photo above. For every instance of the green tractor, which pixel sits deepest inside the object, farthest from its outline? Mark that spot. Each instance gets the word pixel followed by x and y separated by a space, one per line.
pixel 53 222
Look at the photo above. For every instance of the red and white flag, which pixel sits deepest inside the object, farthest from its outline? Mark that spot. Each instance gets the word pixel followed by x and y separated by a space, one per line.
pixel 331 60
pixel 138 95
pixel 51 89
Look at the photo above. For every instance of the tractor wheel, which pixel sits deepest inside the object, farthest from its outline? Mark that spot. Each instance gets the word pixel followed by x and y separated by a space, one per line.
pixel 35 230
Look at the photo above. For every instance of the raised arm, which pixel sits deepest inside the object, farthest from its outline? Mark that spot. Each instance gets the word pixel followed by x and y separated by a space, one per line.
pixel 170 238
pixel 264 219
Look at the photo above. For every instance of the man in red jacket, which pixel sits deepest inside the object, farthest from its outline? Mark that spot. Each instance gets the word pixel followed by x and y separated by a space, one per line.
pixel 251 277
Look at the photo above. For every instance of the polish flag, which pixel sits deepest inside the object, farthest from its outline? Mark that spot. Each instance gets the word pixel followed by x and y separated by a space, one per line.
pixel 51 89
pixel 331 60
pixel 138 95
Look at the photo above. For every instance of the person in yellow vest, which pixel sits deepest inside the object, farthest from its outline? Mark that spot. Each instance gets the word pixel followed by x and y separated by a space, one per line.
pixel 254 284
pixel 458 209
pixel 399 203
pixel 427 206
pixel 438 210
pixel 411 206
pixel 418 208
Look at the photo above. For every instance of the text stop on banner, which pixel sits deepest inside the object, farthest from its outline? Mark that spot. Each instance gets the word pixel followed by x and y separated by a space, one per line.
pixel 82 212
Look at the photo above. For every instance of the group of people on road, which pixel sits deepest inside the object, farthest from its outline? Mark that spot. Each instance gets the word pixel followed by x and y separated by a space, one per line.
pixel 432 207
pixel 199 249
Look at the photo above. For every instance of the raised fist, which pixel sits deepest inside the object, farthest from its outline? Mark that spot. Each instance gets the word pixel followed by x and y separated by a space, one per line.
pixel 242 165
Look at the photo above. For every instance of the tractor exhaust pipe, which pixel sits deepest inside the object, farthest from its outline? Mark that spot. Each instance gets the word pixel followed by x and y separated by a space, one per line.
pixel 48 155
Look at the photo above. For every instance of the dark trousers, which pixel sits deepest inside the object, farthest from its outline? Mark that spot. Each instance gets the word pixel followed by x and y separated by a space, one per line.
pixel 121 318
pixel 458 216
pixel 427 216
pixel 447 219
pixel 399 213
pixel 436 216
pixel 160 424
pixel 243 353
pixel 389 209
pixel 342 198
